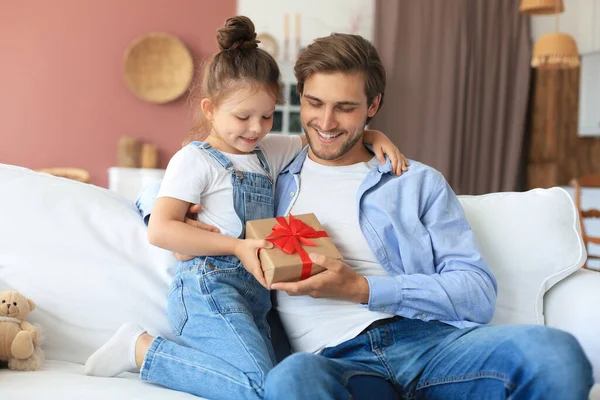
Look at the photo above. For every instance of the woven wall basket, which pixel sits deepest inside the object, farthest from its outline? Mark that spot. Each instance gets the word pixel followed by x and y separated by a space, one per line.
pixel 158 68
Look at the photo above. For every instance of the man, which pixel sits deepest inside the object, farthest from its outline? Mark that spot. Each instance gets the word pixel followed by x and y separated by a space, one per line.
pixel 410 300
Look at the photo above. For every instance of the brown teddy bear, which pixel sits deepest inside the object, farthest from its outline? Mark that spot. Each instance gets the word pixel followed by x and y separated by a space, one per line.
pixel 19 340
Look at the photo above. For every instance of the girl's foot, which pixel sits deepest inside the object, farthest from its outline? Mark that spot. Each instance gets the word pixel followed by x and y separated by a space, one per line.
pixel 117 355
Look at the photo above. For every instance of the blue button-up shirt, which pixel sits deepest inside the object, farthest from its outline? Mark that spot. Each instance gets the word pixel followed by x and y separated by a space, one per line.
pixel 416 227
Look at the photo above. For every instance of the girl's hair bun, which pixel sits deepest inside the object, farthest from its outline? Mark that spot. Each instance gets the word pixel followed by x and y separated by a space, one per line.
pixel 238 33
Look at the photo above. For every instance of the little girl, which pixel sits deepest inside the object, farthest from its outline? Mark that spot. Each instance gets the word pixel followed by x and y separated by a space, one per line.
pixel 218 301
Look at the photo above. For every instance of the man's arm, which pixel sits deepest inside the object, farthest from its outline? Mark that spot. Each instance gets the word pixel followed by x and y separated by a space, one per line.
pixel 461 289
pixel 146 199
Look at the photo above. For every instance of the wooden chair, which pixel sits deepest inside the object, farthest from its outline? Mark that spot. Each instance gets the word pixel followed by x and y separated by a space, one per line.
pixel 587 181
pixel 76 174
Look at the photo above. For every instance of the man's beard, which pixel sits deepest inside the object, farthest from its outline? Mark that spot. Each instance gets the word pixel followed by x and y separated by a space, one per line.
pixel 349 144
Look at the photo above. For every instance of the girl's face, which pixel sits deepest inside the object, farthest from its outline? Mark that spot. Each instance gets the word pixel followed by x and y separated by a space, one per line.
pixel 241 120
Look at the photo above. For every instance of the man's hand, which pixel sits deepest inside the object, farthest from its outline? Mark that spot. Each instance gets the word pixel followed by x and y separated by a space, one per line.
pixel 247 251
pixel 190 219
pixel 338 281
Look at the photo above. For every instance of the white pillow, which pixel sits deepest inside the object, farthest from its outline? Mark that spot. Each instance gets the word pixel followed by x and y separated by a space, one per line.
pixel 530 241
pixel 81 253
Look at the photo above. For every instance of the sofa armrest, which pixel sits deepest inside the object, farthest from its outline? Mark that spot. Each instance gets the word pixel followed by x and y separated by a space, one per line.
pixel 573 305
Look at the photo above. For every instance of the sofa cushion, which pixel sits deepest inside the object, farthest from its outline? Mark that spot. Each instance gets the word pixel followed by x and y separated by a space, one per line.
pixel 531 241
pixel 82 254
pixel 59 380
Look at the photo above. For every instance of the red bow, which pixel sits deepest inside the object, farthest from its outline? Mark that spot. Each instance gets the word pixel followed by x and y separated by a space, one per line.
pixel 290 237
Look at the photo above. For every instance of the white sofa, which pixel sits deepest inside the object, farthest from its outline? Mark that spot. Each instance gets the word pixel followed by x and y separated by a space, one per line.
pixel 80 252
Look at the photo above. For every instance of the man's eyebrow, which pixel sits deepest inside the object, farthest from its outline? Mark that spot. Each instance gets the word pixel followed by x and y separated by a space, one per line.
pixel 339 103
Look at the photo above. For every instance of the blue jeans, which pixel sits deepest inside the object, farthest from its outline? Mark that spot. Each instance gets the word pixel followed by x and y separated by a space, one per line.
pixel 432 360
pixel 218 312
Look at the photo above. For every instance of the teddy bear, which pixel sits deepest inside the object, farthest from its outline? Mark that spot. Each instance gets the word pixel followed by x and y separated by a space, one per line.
pixel 19 340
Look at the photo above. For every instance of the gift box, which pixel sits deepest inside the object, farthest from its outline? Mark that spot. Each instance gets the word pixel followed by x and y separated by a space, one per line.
pixel 293 237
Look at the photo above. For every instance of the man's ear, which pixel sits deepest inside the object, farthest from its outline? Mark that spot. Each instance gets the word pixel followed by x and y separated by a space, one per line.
pixel 374 106
pixel 208 108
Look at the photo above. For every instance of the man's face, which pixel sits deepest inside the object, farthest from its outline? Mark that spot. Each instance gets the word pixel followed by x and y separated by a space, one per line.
pixel 334 110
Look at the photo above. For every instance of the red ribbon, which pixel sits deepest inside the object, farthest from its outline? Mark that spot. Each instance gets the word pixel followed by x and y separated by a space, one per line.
pixel 290 237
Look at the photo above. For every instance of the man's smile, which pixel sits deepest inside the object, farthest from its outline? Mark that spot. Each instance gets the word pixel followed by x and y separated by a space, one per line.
pixel 327 136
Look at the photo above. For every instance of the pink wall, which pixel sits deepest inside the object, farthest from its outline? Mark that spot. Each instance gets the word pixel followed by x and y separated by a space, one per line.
pixel 63 101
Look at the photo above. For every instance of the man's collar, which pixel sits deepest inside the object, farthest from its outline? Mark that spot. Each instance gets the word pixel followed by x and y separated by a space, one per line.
pixel 296 166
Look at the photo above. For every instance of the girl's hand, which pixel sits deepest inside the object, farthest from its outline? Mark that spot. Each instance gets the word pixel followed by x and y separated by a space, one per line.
pixel 383 146
pixel 247 251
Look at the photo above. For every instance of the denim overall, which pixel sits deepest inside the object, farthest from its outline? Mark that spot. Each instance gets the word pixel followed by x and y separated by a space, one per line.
pixel 217 311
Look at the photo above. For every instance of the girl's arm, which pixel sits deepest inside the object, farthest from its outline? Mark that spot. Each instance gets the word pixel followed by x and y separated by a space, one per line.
pixel 167 229
pixel 383 146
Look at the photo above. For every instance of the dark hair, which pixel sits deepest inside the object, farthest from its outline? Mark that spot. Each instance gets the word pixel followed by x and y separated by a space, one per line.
pixel 340 52
pixel 238 62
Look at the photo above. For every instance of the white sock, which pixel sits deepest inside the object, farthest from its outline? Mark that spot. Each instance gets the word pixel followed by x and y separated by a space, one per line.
pixel 117 355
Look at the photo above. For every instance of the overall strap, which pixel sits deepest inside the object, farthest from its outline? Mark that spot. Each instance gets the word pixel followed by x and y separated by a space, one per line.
pixel 217 155
pixel 227 164
pixel 263 161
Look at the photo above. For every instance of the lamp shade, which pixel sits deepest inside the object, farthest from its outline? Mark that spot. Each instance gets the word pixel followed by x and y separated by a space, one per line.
pixel 555 50
pixel 542 7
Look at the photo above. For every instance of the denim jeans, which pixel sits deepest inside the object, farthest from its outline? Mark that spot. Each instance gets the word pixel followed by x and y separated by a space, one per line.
pixel 432 360
pixel 217 310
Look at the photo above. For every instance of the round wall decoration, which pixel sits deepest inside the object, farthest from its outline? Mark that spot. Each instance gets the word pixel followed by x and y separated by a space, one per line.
pixel 158 67
pixel 269 44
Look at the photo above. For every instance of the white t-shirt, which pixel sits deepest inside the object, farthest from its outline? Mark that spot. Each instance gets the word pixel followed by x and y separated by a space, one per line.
pixel 330 193
pixel 194 176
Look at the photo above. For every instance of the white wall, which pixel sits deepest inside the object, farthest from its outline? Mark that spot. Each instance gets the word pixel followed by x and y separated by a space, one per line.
pixel 317 18
pixel 581 19
pixel 589 95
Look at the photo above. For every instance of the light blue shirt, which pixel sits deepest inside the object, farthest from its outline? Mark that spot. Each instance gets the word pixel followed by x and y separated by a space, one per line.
pixel 416 227
pixel 146 199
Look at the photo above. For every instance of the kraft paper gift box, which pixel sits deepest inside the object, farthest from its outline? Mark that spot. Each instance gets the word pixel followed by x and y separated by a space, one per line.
pixel 294 238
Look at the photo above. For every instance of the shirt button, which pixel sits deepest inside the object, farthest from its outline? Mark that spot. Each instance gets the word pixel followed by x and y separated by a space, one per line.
pixel 292 194
pixel 424 315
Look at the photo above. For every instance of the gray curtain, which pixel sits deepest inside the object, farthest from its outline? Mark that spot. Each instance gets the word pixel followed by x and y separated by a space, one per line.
pixel 458 85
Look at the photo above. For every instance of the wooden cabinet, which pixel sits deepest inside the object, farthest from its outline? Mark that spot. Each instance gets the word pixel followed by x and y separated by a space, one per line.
pixel 130 181
pixel 555 151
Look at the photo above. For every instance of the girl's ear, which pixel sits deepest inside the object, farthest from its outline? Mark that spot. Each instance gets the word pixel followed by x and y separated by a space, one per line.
pixel 208 108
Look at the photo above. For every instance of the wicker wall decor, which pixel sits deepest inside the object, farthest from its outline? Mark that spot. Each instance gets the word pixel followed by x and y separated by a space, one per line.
pixel 158 67
pixel 76 174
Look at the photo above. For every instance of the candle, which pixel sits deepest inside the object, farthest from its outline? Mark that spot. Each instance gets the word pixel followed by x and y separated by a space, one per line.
pixel 298 27
pixel 286 26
